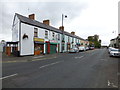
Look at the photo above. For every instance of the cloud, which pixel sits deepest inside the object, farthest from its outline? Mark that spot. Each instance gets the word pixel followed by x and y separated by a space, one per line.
pixel 42 10
pixel 85 17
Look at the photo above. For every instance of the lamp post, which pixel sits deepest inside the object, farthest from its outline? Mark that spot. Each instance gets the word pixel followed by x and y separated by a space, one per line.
pixel 63 31
pixel 63 18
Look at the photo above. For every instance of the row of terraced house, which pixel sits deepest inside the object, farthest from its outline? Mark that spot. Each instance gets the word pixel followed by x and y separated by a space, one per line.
pixel 31 37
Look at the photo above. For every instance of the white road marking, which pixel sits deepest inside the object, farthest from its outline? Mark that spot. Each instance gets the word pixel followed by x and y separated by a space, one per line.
pixel 50 64
pixel 108 83
pixel 8 76
pixel 112 84
pixel 79 57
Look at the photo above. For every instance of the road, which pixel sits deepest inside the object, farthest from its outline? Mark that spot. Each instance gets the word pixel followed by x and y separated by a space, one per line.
pixel 90 69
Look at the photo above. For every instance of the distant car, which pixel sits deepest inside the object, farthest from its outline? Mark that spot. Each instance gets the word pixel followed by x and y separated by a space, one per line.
pixel 73 50
pixel 87 48
pixel 82 48
pixel 91 48
pixel 114 52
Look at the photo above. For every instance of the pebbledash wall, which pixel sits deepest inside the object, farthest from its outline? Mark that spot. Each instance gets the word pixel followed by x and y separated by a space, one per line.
pixel 24 26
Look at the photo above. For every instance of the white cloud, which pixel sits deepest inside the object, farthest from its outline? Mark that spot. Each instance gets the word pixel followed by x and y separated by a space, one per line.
pixel 85 17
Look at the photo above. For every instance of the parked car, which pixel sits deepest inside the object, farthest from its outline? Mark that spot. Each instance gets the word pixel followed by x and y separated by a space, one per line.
pixel 114 52
pixel 74 50
pixel 91 48
pixel 109 49
pixel 82 48
pixel 87 48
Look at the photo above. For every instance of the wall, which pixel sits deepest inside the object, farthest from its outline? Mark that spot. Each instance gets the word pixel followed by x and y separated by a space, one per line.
pixel 41 33
pixel 15 29
pixel 27 45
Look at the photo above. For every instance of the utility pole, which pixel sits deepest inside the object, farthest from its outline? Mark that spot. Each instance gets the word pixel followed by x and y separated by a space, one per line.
pixel 63 31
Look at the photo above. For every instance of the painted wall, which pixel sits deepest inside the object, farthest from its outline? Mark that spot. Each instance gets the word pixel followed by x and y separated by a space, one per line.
pixel 27 45
pixel 41 33
pixel 15 30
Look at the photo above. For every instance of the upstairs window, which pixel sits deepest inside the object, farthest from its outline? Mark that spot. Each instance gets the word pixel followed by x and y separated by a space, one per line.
pixel 58 36
pixel 46 34
pixel 63 37
pixel 68 39
pixel 76 40
pixel 72 39
pixel 35 32
pixel 53 34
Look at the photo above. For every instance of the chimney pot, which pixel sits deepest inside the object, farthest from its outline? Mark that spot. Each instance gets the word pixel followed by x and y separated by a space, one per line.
pixel 73 33
pixel 47 22
pixel 32 16
pixel 61 28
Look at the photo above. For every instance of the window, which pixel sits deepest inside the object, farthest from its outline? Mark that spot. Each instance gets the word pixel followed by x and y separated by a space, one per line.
pixel 46 34
pixel 68 39
pixel 35 32
pixel 53 34
pixel 63 37
pixel 72 40
pixel 58 36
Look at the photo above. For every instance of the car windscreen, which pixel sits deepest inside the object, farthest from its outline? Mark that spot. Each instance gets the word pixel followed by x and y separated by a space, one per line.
pixel 119 50
pixel 114 50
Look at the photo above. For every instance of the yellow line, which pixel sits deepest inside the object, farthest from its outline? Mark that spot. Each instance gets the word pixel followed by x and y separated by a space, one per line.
pixel 26 60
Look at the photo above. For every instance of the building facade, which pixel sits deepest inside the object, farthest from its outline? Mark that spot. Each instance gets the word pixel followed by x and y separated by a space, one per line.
pixel 115 42
pixel 34 38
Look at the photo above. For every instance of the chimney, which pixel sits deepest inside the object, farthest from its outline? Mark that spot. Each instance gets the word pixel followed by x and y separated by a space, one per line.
pixel 73 33
pixel 47 22
pixel 32 16
pixel 61 28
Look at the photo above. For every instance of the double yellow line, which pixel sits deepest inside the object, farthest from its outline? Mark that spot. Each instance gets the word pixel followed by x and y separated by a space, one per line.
pixel 15 61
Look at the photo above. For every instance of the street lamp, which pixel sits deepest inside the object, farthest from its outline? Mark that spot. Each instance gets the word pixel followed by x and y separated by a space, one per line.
pixel 63 31
pixel 63 18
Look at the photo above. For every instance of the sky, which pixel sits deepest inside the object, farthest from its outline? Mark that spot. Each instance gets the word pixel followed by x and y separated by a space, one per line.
pixel 85 17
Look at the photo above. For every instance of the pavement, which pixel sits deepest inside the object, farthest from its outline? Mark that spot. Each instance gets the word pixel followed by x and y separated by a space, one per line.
pixel 90 69
pixel 14 59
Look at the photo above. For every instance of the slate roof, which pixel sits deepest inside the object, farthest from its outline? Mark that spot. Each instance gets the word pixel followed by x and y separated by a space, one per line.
pixel 41 25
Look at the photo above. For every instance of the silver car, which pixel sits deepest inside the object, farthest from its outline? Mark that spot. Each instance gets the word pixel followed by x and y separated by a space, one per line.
pixel 73 50
pixel 115 52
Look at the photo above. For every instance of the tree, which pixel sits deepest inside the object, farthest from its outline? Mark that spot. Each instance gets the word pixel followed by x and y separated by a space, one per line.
pixel 2 41
pixel 90 38
pixel 93 41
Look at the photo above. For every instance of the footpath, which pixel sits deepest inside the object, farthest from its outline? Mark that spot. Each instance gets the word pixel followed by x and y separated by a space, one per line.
pixel 10 59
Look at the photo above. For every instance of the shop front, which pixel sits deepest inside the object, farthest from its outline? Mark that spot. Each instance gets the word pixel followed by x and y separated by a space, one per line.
pixel 47 43
pixel 53 47
pixel 38 46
